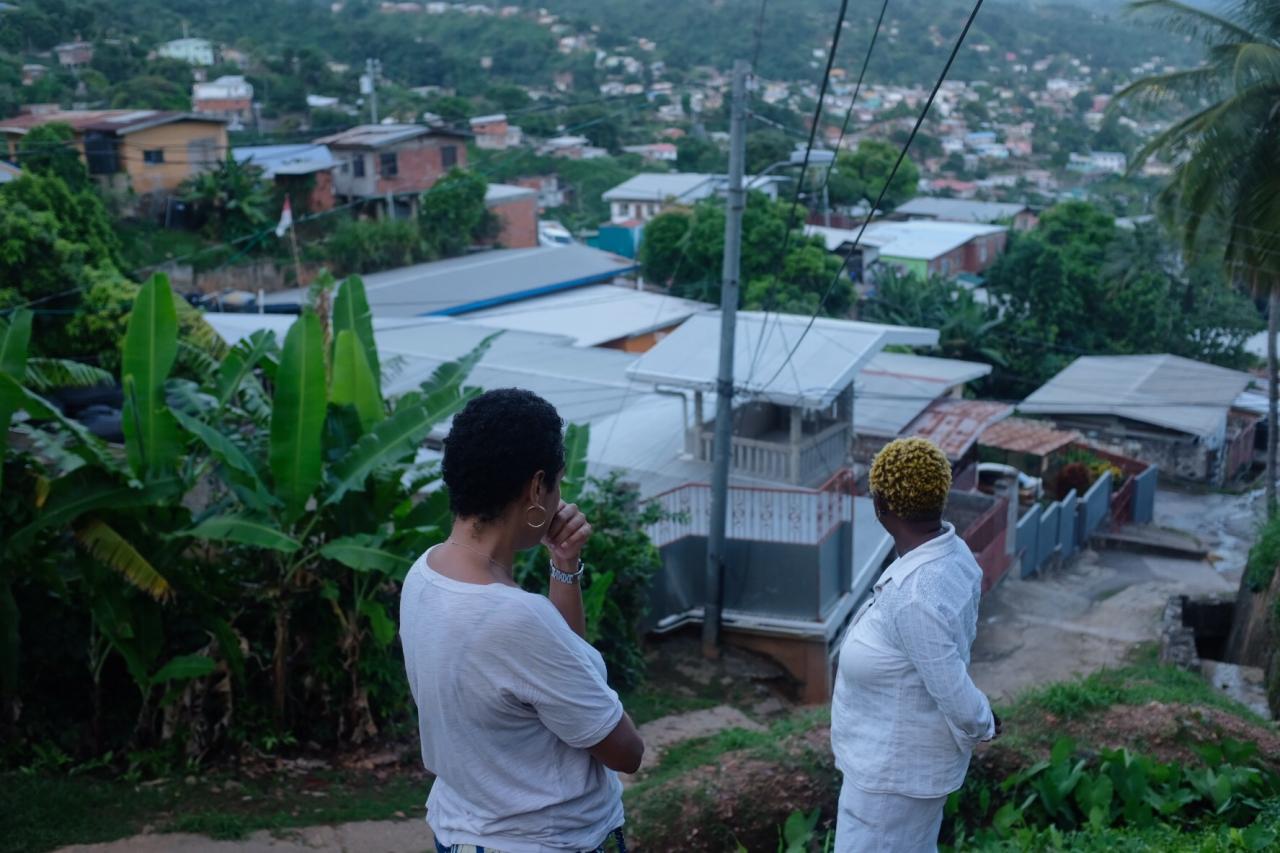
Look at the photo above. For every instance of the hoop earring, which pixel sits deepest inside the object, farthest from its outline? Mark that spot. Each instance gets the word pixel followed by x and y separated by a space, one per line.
pixel 541 521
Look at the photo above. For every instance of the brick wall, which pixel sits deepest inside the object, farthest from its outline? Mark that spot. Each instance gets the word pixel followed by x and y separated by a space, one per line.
pixel 322 194
pixel 518 220
pixel 419 164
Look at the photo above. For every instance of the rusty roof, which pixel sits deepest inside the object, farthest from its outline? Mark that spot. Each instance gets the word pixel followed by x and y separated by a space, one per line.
pixel 118 122
pixel 954 425
pixel 1024 435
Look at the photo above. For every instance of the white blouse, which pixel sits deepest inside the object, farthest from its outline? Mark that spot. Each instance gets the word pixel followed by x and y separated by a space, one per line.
pixel 906 715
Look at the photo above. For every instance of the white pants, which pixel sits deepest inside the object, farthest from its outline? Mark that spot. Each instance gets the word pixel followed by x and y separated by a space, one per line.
pixel 887 823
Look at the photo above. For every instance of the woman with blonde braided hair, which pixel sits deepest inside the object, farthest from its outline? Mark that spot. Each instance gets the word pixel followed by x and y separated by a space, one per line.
pixel 906 716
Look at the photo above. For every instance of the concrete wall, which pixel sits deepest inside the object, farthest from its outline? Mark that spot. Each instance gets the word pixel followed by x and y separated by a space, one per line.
pixel 189 147
pixel 419 164
pixel 1178 455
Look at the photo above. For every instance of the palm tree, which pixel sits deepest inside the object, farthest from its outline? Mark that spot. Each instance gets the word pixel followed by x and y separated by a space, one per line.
pixel 1224 197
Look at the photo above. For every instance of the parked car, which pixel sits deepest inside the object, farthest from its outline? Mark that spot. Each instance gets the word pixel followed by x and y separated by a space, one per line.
pixel 1030 489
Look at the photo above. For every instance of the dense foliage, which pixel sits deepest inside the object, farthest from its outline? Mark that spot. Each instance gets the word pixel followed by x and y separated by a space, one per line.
pixel 684 249
pixel 860 177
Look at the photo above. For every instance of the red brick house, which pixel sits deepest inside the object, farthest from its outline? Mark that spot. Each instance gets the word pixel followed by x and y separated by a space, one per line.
pixel 393 161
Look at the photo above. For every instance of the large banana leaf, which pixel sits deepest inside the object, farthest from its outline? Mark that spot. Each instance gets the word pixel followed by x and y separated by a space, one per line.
pixel 14 337
pixel 149 351
pixel 364 554
pixel 394 438
pixel 242 470
pixel 240 362
pixel 452 374
pixel 353 380
pixel 106 545
pixel 576 439
pixel 47 374
pixel 73 496
pixel 245 531
pixel 184 668
pixel 351 313
pixel 297 417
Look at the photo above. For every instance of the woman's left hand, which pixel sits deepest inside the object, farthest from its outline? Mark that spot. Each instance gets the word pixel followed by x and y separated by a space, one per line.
pixel 566 535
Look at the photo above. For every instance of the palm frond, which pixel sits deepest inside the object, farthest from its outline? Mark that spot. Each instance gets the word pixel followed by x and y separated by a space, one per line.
pixel 47 374
pixel 1184 135
pixel 1159 89
pixel 1186 20
pixel 105 544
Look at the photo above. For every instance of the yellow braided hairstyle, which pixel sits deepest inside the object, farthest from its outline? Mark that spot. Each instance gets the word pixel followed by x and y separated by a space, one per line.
pixel 913 477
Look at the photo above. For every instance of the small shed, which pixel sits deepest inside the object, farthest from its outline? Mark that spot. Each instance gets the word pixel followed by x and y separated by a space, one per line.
pixel 1171 411
pixel 954 425
pixel 1032 446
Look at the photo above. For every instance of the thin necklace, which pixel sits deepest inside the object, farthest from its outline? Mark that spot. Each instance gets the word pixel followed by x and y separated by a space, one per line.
pixel 492 561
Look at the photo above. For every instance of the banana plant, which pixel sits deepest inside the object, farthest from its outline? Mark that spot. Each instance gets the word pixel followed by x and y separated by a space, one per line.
pixel 319 473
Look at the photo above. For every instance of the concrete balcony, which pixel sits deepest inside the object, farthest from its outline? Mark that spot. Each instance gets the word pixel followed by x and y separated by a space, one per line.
pixel 808 461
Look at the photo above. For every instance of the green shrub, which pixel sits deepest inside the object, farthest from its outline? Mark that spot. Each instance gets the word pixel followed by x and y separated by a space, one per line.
pixel 1263 557
pixel 367 245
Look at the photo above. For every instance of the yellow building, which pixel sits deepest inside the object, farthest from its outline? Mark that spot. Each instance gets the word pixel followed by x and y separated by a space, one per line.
pixel 151 151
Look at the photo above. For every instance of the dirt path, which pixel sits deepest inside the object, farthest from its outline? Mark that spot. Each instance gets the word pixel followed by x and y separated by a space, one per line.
pixel 373 836
pixel 1091 614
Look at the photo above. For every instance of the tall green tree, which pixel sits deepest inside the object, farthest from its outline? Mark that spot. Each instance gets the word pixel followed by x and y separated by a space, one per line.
pixel 1227 150
pixel 860 176
pixel 50 149
pixel 453 216
pixel 231 199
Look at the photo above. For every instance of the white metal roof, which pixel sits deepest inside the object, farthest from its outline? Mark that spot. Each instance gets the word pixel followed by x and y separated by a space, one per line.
pixel 959 209
pixel 894 388
pixel 500 193
pixel 924 239
pixel 483 280
pixel 824 364
pixel 302 159
pixel 592 315
pixel 837 237
pixel 663 186
pixel 1162 390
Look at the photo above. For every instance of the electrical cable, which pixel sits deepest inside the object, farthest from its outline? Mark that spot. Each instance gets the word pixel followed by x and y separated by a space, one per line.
pixel 893 172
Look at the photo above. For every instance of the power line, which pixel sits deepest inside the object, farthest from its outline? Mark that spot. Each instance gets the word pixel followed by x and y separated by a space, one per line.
pixel 755 53
pixel 771 293
pixel 897 163
pixel 853 99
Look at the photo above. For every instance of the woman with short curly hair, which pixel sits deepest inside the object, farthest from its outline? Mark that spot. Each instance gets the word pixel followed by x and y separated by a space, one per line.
pixel 517 721
pixel 906 716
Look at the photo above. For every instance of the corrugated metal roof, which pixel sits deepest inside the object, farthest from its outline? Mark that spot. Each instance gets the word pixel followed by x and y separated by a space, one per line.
pixel 1162 390
pixel 1023 435
pixel 954 425
pixel 924 239
pixel 592 315
pixel 960 210
pixel 894 388
pixel 302 159
pixel 378 135
pixel 663 186
pixel 499 193
pixel 114 121
pixel 482 280
pixel 825 363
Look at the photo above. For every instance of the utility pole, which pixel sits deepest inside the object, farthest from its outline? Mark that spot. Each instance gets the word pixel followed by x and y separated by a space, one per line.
pixel 369 84
pixel 722 449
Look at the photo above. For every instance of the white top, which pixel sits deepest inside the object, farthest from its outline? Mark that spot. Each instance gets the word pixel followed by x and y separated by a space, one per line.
pixel 906 715
pixel 509 699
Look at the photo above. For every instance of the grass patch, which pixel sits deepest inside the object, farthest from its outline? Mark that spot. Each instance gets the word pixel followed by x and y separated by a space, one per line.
pixel 650 702
pixel 47 812
pixel 1144 680
pixel 145 243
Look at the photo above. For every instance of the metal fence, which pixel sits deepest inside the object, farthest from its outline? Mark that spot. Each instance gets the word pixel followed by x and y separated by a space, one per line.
pixel 1028 533
pixel 1095 506
pixel 1144 496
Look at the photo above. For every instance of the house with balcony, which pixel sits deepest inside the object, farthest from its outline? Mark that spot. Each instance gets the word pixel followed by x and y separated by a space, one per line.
pixel 390 165
pixel 148 151
pixel 230 97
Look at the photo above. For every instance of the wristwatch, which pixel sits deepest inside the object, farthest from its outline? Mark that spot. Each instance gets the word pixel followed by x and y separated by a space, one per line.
pixel 566 577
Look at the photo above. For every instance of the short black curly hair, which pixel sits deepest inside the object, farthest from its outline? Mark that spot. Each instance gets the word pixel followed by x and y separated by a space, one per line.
pixel 497 443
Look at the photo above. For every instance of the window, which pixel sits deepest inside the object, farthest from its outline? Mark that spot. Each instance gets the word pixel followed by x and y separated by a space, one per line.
pixel 101 150
pixel 357 166
pixel 387 165
pixel 982 252
pixel 448 156
pixel 153 157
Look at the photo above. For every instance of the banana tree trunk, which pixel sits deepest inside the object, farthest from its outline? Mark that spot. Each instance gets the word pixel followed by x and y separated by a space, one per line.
pixel 1273 322
pixel 279 667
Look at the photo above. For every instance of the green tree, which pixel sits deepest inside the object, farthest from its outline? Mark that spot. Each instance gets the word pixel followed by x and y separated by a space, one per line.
pixel 453 216
pixel 862 175
pixel 766 147
pixel 231 200
pixel 965 327
pixel 700 155
pixel 50 149
pixel 1227 150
